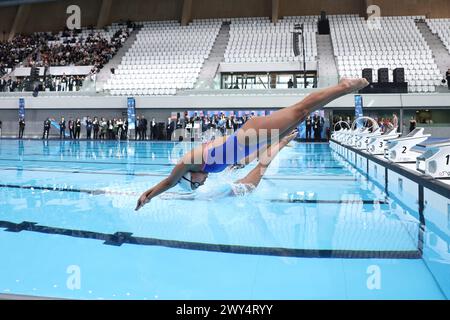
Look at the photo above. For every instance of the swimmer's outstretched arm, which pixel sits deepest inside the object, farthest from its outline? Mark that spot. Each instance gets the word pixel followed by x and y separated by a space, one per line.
pixel 166 184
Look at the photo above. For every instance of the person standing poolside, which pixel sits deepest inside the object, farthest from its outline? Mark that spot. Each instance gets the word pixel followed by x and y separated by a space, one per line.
pixel 62 129
pixel 96 125
pixel 412 124
pixel 395 121
pixel 256 134
pixel 47 125
pixel 21 127
pixel 77 129
pixel 308 124
pixel 88 128
pixel 447 76
pixel 72 128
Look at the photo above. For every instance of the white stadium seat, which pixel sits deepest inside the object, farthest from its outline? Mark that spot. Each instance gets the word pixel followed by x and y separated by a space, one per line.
pixel 165 57
pixel 397 43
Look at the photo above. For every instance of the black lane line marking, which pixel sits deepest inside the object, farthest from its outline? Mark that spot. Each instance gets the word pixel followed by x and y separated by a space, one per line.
pixel 119 238
pixel 305 178
pixel 93 162
pixel 421 216
pixel 58 189
pixel 145 164
pixel 386 180
pixel 88 172
pixel 310 167
pixel 67 158
pixel 76 171
pixel 101 192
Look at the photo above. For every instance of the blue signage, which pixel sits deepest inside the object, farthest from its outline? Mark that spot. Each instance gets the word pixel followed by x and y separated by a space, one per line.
pixel 21 108
pixel 131 104
pixel 358 106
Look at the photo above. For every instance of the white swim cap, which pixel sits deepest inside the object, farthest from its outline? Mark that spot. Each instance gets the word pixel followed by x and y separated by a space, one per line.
pixel 185 182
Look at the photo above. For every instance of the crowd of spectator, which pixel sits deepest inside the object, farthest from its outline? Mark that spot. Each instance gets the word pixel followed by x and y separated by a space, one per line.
pixel 118 128
pixel 95 128
pixel 48 83
pixel 313 127
pixel 220 121
pixel 65 49
pixel 15 51
pixel 61 83
pixel 73 49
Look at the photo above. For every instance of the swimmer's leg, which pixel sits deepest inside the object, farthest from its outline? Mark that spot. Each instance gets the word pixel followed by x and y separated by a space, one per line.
pixel 286 119
pixel 251 157
pixel 266 149
pixel 254 177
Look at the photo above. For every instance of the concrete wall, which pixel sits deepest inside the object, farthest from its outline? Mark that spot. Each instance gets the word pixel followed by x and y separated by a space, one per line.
pixel 430 8
pixel 202 9
pixel 52 16
pixel 144 10
pixel 305 8
pixel 7 15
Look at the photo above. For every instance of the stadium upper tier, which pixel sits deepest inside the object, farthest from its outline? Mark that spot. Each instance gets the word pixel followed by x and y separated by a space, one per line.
pixel 259 40
pixel 441 27
pixel 164 57
pixel 85 47
pixel 167 56
pixel 388 42
pixel 79 48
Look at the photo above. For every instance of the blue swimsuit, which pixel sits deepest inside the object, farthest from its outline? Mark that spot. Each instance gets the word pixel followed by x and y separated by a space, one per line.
pixel 229 153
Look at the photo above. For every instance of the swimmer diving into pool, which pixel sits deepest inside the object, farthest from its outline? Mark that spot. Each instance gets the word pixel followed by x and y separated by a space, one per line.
pixel 258 135
pixel 242 186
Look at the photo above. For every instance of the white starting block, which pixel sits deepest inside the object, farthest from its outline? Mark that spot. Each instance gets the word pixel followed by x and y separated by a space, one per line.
pixel 376 145
pixel 355 136
pixel 350 136
pixel 399 150
pixel 346 136
pixel 435 161
pixel 362 140
pixel 339 135
pixel 362 126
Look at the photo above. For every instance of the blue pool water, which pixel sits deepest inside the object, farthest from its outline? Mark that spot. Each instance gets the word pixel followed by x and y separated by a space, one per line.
pixel 314 229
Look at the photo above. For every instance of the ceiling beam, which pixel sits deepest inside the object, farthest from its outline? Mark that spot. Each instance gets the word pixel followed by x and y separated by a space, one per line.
pixel 275 10
pixel 104 14
pixel 20 20
pixel 187 12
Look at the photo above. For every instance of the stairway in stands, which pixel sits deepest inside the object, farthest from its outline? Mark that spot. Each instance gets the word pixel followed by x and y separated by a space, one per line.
pixel 105 73
pixel 440 52
pixel 327 69
pixel 211 65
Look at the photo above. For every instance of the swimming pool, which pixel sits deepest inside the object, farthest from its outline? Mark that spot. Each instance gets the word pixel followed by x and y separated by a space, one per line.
pixel 315 229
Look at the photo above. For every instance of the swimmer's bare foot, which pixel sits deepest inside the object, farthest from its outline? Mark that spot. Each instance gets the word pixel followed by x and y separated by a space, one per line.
pixel 352 85
pixel 290 136
pixel 237 166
